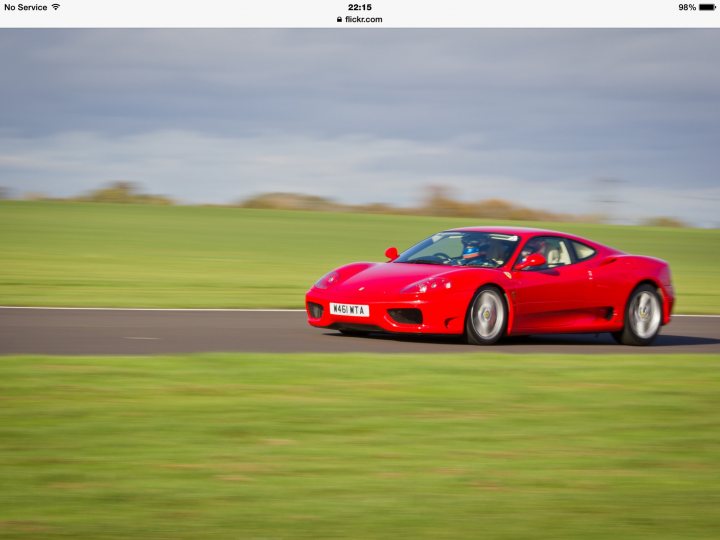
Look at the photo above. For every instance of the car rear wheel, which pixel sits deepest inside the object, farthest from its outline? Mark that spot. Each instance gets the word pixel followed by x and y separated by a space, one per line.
pixel 487 317
pixel 643 317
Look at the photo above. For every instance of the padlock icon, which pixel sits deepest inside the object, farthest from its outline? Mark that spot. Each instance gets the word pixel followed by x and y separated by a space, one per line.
pixel 339 19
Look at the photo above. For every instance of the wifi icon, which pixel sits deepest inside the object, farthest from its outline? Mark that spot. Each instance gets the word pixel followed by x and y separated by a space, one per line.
pixel 55 6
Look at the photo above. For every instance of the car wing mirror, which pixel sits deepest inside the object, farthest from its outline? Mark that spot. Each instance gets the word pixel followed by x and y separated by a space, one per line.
pixel 391 253
pixel 536 259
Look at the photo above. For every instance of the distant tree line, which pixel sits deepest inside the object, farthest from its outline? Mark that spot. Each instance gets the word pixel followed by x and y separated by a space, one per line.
pixel 437 202
pixel 116 192
pixel 124 193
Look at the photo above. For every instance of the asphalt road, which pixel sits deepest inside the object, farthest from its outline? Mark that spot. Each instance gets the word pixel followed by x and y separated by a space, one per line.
pixel 100 331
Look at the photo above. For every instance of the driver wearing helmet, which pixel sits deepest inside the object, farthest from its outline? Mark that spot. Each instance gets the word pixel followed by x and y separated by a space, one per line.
pixel 474 252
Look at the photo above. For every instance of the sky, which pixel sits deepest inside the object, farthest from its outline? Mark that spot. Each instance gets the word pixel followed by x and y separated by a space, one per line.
pixel 557 120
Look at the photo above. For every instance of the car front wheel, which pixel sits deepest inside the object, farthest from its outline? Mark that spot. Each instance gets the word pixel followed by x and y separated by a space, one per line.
pixel 487 317
pixel 643 317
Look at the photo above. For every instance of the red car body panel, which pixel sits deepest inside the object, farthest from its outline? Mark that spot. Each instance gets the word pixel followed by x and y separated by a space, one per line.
pixel 586 296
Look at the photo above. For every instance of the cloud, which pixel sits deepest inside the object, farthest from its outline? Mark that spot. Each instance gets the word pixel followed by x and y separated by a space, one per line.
pixel 212 115
pixel 196 167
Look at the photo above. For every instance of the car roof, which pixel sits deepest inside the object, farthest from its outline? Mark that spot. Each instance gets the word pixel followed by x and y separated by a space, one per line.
pixel 525 231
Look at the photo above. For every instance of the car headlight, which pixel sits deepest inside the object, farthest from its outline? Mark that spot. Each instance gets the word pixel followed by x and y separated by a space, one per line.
pixel 328 280
pixel 428 285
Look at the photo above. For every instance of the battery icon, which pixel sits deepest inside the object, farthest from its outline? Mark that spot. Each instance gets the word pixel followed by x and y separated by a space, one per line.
pixel 707 7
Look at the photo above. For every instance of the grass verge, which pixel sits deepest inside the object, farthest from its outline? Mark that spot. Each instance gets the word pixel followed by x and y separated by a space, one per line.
pixel 83 254
pixel 360 446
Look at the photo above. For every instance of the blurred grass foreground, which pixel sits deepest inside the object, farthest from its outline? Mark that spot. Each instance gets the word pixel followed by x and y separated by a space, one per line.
pixel 364 446
pixel 125 255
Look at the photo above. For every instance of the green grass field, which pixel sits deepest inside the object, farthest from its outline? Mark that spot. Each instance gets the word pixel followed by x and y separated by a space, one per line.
pixel 82 254
pixel 360 446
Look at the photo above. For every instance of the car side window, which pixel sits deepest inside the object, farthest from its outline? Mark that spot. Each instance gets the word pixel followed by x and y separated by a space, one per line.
pixel 582 252
pixel 555 250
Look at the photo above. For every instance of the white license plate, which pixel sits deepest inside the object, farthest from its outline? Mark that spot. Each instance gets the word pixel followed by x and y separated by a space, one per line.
pixel 350 310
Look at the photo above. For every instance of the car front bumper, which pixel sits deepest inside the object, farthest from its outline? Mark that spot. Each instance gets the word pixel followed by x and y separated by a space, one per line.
pixel 444 315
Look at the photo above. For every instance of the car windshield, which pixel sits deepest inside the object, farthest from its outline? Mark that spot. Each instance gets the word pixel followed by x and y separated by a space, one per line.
pixel 462 248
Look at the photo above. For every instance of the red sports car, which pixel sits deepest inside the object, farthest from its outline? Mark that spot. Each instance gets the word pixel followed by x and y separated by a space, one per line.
pixel 490 282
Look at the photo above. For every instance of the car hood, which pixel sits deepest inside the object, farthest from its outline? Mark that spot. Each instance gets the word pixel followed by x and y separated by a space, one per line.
pixel 386 278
